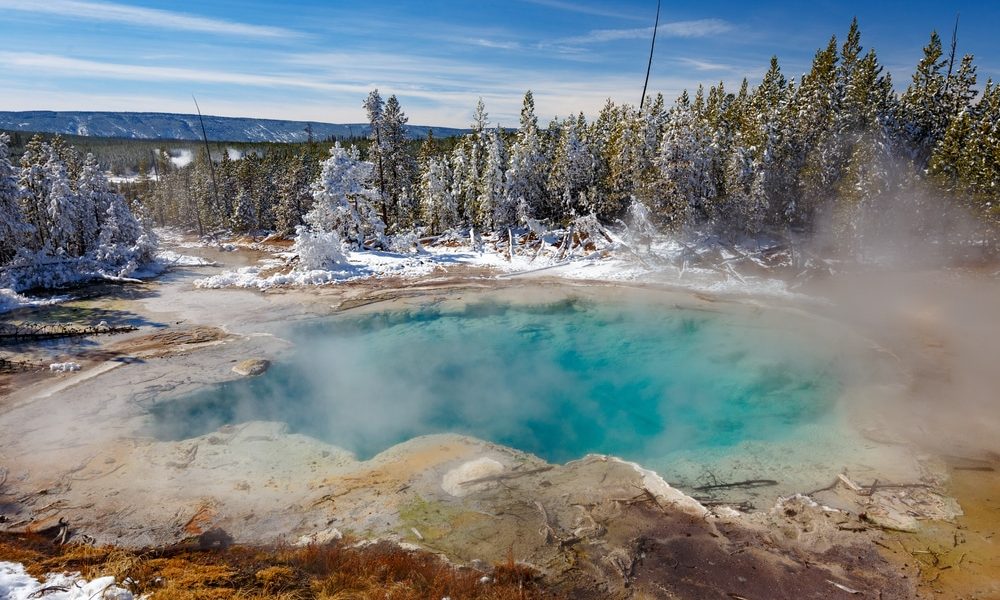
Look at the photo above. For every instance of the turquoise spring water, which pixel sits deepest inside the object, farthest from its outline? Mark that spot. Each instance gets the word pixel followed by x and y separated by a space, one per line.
pixel 558 380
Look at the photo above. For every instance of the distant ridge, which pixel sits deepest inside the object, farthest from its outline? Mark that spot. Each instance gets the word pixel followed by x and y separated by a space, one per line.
pixel 172 126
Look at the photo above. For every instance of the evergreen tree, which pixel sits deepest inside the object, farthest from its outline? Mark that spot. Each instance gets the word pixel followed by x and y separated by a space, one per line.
pixel 925 112
pixel 398 165
pixel 375 108
pixel 295 196
pixel 94 195
pixel 526 174
pixel 34 191
pixel 343 199
pixel 438 205
pixel 572 178
pixel 495 210
pixel 12 227
pixel 63 210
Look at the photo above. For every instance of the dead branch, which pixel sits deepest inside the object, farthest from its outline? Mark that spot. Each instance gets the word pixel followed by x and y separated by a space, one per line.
pixel 749 483
pixel 506 476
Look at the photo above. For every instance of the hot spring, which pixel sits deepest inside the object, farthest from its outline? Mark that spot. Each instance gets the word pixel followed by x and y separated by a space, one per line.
pixel 561 378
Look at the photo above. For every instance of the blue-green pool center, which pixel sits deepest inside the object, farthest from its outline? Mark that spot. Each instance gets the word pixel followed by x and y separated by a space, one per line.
pixel 558 379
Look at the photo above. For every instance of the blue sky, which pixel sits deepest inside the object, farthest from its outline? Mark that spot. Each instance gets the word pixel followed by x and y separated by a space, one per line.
pixel 316 60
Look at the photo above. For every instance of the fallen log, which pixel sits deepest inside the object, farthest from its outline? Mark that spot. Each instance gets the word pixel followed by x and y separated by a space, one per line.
pixel 36 333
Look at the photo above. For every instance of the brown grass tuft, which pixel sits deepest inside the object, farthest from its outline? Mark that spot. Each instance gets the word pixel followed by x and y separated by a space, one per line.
pixel 341 571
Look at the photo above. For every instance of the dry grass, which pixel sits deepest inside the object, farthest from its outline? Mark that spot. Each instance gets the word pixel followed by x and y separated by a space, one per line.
pixel 341 571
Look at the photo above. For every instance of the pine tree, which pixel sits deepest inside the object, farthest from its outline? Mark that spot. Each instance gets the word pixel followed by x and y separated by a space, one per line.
pixel 94 195
pixel 62 208
pixel 375 108
pixel 398 165
pixel 572 176
pixel 344 199
pixel 13 230
pixel 295 196
pixel 494 209
pixel 526 174
pixel 438 205
pixel 34 191
pixel 684 165
pixel 925 113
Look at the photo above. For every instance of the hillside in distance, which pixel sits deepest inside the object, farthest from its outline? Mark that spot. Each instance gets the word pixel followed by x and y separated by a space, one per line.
pixel 171 126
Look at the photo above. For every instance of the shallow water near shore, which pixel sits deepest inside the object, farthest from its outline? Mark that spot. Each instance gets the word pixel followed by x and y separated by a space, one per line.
pixel 557 379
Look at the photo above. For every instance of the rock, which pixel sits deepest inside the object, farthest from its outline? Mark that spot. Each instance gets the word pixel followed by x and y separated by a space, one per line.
pixel 251 367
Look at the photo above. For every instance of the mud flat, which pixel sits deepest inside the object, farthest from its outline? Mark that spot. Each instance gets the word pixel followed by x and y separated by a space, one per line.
pixel 77 463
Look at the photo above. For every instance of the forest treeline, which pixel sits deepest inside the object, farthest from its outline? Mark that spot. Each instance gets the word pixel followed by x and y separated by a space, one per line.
pixel 837 154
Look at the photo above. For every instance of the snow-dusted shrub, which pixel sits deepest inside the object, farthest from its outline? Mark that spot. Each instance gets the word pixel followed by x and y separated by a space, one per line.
pixel 318 250
pixel 405 242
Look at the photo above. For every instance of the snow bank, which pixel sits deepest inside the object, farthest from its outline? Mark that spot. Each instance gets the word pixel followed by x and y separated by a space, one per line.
pixel 171 258
pixel 698 266
pixel 359 265
pixel 11 300
pixel 65 367
pixel 17 584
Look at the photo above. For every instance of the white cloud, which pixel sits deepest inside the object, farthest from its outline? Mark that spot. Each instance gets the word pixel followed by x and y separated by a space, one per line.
pixel 704 65
pixel 51 63
pixel 679 29
pixel 586 9
pixel 144 17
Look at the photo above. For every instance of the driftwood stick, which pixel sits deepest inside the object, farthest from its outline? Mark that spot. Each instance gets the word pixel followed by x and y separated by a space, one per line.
pixel 506 476
pixel 749 483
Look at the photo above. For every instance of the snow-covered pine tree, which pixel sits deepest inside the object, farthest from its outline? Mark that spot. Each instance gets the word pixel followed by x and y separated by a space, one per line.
pixel 925 114
pixel 495 210
pixel 398 165
pixel 526 174
pixel 375 109
pixel 572 176
pixel 684 166
pixel 13 230
pixel 34 191
pixel 294 196
pixel 476 154
pixel 123 243
pixel 462 181
pixel 624 157
pixel 242 220
pixel 438 205
pixel 94 195
pixel 62 209
pixel 819 151
pixel 343 199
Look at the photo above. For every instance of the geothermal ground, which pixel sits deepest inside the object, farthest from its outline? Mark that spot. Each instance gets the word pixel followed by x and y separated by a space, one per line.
pixel 913 509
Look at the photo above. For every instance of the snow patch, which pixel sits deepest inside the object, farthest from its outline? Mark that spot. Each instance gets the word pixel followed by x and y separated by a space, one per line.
pixel 11 300
pixel 17 584
pixel 64 367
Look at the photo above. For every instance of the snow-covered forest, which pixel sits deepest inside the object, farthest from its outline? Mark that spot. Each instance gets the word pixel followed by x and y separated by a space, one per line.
pixel 61 221
pixel 837 154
